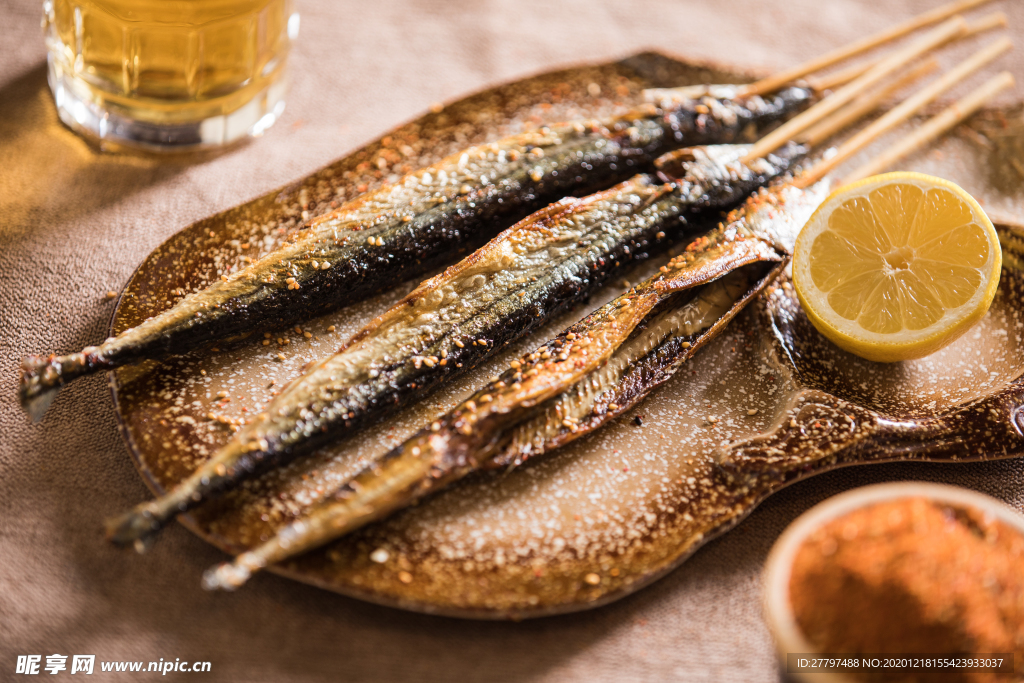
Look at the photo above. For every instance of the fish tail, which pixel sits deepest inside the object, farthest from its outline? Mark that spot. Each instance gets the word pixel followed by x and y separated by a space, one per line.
pixel 134 527
pixel 138 526
pixel 43 376
pixel 398 479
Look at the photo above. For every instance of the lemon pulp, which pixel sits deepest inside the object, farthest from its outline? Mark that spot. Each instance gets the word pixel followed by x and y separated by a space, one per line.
pixel 896 266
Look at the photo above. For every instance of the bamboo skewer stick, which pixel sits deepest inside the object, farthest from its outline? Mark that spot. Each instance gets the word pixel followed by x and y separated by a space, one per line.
pixel 833 102
pixel 845 76
pixel 907 108
pixel 868 103
pixel 861 46
pixel 863 107
pixel 840 78
pixel 936 126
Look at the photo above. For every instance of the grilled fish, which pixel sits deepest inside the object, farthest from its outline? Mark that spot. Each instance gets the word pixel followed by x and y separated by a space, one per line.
pixel 589 374
pixel 403 230
pixel 450 323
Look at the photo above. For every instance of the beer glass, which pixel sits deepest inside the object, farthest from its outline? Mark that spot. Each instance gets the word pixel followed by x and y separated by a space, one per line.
pixel 168 74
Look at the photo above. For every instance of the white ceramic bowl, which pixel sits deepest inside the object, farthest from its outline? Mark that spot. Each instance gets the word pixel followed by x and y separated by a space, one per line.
pixel 777 606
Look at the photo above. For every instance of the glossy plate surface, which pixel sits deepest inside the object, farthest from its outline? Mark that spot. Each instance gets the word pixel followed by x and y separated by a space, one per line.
pixel 767 403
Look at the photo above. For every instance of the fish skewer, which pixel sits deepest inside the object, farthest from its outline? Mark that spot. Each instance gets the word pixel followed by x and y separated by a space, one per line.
pixel 413 226
pixel 534 270
pixel 450 323
pixel 592 372
pixel 403 230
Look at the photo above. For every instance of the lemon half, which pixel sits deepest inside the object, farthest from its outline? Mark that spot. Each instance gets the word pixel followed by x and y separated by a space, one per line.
pixel 896 266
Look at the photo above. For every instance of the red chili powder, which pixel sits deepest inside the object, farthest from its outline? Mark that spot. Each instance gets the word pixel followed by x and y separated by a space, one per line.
pixel 913 576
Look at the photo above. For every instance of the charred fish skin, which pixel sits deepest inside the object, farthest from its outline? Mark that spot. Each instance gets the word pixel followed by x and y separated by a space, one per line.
pixel 411 227
pixel 450 323
pixel 589 374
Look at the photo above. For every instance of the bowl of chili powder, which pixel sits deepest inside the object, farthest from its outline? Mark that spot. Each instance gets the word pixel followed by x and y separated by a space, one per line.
pixel 907 581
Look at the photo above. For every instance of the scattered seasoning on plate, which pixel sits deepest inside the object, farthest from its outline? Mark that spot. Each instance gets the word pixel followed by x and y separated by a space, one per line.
pixel 912 576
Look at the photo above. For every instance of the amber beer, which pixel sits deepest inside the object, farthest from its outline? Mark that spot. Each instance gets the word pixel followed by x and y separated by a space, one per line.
pixel 169 74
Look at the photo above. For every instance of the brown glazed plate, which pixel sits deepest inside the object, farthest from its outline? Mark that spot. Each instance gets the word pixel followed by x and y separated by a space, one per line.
pixel 769 401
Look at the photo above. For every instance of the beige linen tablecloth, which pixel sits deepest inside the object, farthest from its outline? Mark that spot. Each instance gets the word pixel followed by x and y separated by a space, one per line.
pixel 74 224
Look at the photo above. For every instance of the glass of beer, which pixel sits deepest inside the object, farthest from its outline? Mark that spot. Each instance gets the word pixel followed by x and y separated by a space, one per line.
pixel 167 75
